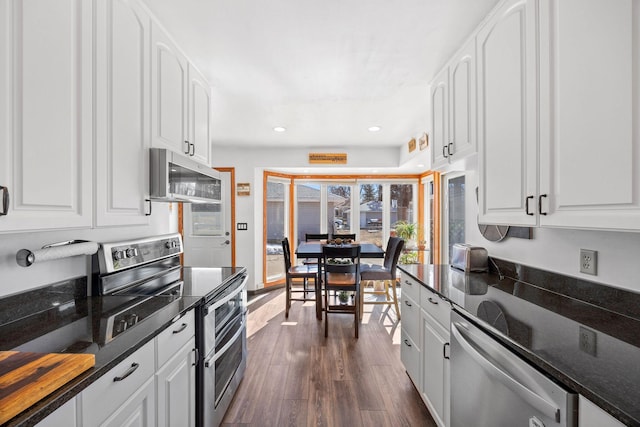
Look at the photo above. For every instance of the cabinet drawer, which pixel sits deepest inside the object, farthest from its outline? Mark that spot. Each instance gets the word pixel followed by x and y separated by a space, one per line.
pixel 108 393
pixel 410 287
pixel 175 337
pixel 436 307
pixel 410 311
pixel 410 356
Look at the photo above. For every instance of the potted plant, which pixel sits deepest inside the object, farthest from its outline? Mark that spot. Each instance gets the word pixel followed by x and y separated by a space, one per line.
pixel 407 231
pixel 343 297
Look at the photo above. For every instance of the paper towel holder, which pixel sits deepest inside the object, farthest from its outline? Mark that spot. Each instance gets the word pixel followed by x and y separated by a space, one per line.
pixel 25 257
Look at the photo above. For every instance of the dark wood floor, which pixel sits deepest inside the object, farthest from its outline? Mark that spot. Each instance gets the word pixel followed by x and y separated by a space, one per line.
pixel 297 377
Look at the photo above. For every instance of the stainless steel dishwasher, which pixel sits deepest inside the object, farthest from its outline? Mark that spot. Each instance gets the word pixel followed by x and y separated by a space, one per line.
pixel 493 387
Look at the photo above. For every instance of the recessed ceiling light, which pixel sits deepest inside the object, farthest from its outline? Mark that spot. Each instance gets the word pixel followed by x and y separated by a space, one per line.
pixel 420 165
pixel 279 129
pixel 374 128
pixel 374 171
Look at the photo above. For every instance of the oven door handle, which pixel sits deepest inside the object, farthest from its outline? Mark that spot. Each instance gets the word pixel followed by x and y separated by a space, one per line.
pixel 532 398
pixel 216 354
pixel 217 303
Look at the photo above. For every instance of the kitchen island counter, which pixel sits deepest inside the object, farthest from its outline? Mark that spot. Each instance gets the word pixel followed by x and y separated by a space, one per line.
pixel 544 315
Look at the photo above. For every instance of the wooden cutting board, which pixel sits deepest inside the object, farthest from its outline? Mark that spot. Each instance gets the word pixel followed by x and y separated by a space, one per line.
pixel 25 377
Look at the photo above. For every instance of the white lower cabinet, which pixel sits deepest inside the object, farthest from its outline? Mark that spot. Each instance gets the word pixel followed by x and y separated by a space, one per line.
pixel 590 415
pixel 176 375
pixel 424 349
pixel 123 396
pixel 64 416
pixel 435 369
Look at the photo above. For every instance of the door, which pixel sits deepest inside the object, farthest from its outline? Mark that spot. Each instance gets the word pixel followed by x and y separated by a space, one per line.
pixel 507 126
pixel 462 103
pixel 440 119
pixel 199 116
pixel 208 229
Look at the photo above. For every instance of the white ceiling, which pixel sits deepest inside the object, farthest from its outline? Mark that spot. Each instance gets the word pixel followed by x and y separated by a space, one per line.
pixel 324 69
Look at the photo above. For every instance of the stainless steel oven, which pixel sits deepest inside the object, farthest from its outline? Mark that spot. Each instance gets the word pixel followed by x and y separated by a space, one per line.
pixel 224 341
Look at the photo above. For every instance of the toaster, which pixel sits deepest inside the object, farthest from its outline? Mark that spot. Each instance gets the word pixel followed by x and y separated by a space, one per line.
pixel 469 258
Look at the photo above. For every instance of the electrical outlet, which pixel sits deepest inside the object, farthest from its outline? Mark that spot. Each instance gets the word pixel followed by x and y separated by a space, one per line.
pixel 588 261
pixel 587 341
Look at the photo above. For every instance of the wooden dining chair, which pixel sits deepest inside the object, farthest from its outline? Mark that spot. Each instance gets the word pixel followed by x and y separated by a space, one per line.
pixel 294 274
pixel 311 237
pixel 341 272
pixel 345 236
pixel 385 273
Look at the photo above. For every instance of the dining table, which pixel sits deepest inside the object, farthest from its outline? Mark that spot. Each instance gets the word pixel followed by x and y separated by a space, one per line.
pixel 313 250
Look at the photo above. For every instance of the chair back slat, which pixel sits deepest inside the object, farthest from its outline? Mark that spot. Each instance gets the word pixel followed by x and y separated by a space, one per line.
pixel 286 249
pixel 310 237
pixel 392 254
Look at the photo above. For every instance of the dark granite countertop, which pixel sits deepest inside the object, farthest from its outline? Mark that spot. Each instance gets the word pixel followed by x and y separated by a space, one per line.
pixel 62 318
pixel 545 313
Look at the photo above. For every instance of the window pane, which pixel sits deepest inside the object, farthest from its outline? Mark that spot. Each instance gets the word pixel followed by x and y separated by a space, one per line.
pixel 308 209
pixel 456 212
pixel 370 220
pixel 339 209
pixel 275 230
pixel 206 219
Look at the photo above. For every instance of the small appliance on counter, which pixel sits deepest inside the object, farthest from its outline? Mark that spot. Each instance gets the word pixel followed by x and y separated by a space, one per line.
pixel 469 258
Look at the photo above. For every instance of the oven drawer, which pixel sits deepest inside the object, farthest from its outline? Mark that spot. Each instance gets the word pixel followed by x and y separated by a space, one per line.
pixel 175 337
pixel 109 392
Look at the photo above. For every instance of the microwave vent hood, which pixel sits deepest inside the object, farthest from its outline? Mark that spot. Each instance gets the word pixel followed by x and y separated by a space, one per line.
pixel 177 178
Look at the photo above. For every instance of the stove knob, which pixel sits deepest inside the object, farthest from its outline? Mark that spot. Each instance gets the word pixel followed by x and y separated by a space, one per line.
pixel 117 255
pixel 132 319
pixel 120 327
pixel 168 245
pixel 131 252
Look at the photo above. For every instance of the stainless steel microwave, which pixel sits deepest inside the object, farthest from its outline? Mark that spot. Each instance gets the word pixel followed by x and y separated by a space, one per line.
pixel 176 178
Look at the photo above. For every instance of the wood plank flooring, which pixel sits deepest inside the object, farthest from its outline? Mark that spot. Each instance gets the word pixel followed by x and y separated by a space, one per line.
pixel 297 377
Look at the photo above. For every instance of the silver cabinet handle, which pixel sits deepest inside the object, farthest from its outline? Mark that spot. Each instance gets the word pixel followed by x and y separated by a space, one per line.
pixel 5 200
pixel 407 303
pixel 188 147
pixel 130 371
pixel 445 147
pixel 408 283
pixel 449 148
pixel 192 150
pixel 180 329
pixel 432 301
pixel 531 397
pixel 408 344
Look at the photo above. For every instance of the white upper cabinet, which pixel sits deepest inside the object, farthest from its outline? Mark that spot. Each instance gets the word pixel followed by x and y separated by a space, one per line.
pixel 440 120
pixel 199 116
pixel 46 114
pixel 181 101
pixel 453 100
pixel 507 119
pixel 169 77
pixel 122 112
pixel 590 94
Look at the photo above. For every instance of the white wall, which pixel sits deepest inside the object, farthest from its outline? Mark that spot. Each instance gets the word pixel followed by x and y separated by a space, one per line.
pixel 14 279
pixel 250 164
pixel 558 250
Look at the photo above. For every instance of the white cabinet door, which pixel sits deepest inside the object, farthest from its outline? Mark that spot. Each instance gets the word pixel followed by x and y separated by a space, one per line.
pixel 122 395
pixel 435 370
pixel 64 416
pixel 199 116
pixel 590 415
pixel 176 386
pixel 440 120
pixel 46 96
pixel 122 113
pixel 169 77
pixel 590 156
pixel 410 357
pixel 462 103
pixel 138 411
pixel 507 119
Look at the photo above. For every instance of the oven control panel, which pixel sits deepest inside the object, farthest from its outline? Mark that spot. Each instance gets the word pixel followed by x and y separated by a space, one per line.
pixel 121 255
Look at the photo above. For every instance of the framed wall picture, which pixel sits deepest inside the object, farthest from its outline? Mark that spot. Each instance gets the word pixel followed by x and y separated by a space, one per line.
pixel 412 144
pixel 424 141
pixel 243 189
